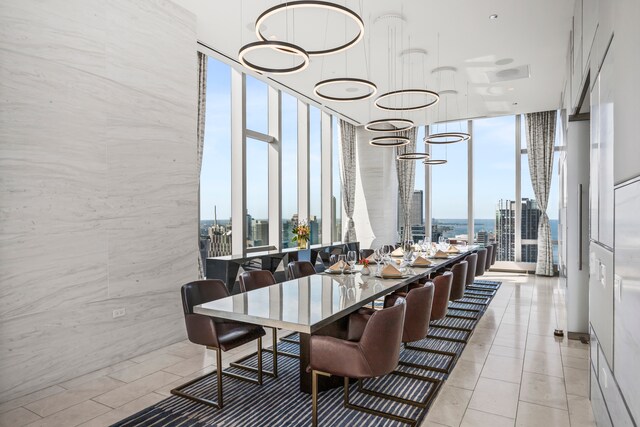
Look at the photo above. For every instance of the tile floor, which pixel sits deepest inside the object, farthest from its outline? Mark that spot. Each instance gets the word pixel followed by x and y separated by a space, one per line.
pixel 512 372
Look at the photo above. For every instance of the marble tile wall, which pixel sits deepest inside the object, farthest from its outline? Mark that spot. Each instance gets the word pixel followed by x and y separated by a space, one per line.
pixel 98 185
pixel 376 206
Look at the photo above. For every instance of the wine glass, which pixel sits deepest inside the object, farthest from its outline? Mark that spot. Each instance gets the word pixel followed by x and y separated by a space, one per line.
pixel 342 258
pixel 377 257
pixel 351 259
pixel 407 250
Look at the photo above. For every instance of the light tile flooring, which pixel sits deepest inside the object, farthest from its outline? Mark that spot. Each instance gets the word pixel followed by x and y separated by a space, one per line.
pixel 512 372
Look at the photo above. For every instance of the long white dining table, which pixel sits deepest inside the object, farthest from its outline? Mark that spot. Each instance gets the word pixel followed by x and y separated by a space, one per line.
pixel 317 304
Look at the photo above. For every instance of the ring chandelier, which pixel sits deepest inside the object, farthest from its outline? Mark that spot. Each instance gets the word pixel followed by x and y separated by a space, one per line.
pixel 404 124
pixel 372 89
pixel 432 162
pixel 389 141
pixel 401 92
pixel 446 138
pixel 287 6
pixel 276 45
pixel 413 156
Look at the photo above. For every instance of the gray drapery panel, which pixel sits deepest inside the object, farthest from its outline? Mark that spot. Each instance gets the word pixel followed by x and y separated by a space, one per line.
pixel 541 132
pixel 406 171
pixel 202 97
pixel 348 172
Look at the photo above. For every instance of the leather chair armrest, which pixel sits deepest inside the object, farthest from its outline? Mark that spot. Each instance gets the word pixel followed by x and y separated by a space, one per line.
pixel 201 330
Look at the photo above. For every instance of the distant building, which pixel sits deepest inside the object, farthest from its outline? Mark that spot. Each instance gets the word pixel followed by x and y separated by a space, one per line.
pixel 417 208
pixel 314 230
pixel 483 237
pixel 260 233
pixel 506 232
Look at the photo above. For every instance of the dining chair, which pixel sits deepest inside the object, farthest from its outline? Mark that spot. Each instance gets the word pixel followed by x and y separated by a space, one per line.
pixel 216 334
pixel 487 264
pixel 361 359
pixel 298 269
pixel 365 253
pixel 482 261
pixel 494 256
pixel 459 272
pixel 249 281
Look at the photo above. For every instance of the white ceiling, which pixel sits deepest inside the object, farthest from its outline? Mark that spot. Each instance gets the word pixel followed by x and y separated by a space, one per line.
pixel 529 35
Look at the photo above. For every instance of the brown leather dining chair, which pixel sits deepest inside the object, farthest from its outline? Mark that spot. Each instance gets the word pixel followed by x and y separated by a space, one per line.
pixel 298 269
pixel 364 358
pixel 472 262
pixel 365 253
pixel 458 284
pixel 249 281
pixel 216 334
pixel 494 256
pixel 482 261
pixel 490 249
pixel 416 326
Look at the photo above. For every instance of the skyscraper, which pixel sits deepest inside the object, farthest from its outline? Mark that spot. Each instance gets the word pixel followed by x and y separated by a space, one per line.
pixel 506 232
pixel 417 208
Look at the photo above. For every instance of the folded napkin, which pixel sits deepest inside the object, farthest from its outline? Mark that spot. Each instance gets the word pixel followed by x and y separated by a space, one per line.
pixel 398 252
pixel 390 272
pixel 453 250
pixel 339 266
pixel 441 254
pixel 419 262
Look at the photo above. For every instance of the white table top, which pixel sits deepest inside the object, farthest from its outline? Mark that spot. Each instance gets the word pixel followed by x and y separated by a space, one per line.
pixel 307 304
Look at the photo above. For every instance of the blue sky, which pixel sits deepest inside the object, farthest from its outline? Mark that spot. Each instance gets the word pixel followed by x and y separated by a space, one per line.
pixel 494 155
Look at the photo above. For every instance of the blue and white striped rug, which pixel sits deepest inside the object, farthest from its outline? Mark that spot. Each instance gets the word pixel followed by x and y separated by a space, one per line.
pixel 278 402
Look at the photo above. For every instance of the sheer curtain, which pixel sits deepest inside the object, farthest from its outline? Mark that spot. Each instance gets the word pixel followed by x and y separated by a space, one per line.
pixel 348 149
pixel 541 132
pixel 406 171
pixel 202 96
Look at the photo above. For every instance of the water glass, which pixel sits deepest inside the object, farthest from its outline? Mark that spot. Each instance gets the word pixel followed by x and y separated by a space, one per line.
pixel 351 259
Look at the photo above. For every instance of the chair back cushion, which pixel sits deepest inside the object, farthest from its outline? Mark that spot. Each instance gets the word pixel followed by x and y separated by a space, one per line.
pixel 487 264
pixel 472 261
pixel 365 253
pixel 418 313
pixel 256 279
pixel 482 261
pixel 298 269
pixel 380 342
pixel 494 256
pixel 200 292
pixel 442 290
pixel 459 272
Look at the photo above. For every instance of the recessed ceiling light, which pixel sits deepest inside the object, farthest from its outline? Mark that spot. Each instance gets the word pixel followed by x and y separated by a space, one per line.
pixel 515 103
pixel 510 89
pixel 494 16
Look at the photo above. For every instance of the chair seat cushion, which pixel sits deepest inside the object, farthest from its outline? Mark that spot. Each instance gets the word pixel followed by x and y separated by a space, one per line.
pixel 235 334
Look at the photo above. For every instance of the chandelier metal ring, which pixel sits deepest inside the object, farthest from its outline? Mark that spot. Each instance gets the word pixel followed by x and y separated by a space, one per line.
pixel 389 141
pixel 446 138
pixel 431 162
pixel 275 45
pixel 431 93
pixel 372 89
pixel 412 156
pixel 318 5
pixel 405 124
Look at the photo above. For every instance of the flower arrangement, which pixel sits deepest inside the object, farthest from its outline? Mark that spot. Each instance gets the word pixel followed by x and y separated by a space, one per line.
pixel 301 233
pixel 364 262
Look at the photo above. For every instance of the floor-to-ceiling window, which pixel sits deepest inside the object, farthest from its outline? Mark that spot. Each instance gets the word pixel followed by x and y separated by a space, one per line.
pixel 449 192
pixel 289 153
pixel 257 165
pixel 315 175
pixel 494 145
pixel 336 197
pixel 215 176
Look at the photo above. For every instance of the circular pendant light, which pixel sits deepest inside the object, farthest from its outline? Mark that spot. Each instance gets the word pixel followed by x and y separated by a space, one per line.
pixel 447 138
pixel 389 141
pixel 431 162
pixel 289 48
pixel 398 125
pixel 412 156
pixel 287 6
pixel 372 89
pixel 435 98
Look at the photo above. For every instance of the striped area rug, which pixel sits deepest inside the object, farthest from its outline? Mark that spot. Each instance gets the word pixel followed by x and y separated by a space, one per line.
pixel 278 402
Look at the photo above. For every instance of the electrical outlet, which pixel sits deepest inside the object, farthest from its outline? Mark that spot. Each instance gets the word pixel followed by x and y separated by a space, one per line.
pixel 617 287
pixel 119 312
